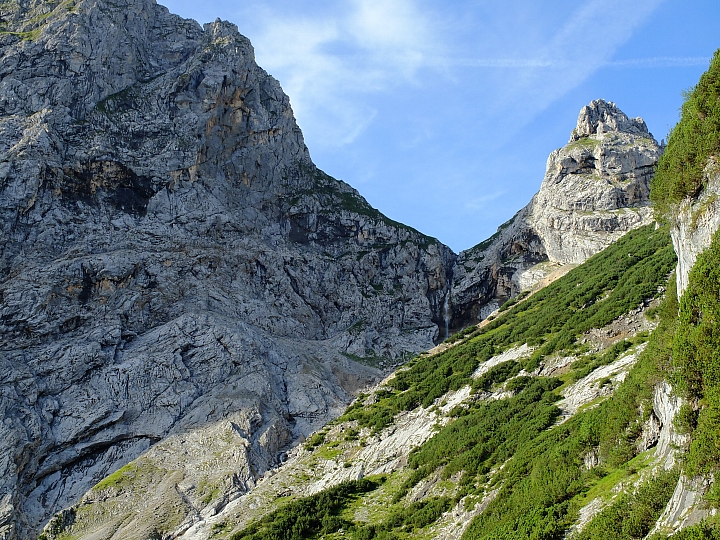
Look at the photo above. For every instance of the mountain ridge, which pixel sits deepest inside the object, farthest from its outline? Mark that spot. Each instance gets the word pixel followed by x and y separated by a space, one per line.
pixel 596 188
pixel 173 262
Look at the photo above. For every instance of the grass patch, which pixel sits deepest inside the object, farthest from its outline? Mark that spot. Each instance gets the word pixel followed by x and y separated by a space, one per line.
pixel 309 517
pixel 30 35
pixel 584 142
pixel 123 476
pixel 604 486
pixel 632 515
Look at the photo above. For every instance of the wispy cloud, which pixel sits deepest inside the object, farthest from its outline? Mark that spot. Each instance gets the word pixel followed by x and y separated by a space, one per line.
pixel 520 63
pixel 328 62
pixel 661 62
pixel 490 62
pixel 480 203
pixel 585 42
pixel 332 60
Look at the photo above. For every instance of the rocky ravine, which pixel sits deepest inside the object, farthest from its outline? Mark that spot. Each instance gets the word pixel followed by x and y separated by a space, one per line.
pixel 596 188
pixel 171 258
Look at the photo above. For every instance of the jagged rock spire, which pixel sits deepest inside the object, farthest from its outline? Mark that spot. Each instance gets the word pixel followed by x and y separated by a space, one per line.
pixel 602 116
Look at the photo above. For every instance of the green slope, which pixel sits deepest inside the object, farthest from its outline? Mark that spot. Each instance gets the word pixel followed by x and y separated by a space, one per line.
pixel 542 483
pixel 690 144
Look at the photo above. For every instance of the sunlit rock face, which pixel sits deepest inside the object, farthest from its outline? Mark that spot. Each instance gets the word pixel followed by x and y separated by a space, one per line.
pixel 596 188
pixel 694 222
pixel 170 257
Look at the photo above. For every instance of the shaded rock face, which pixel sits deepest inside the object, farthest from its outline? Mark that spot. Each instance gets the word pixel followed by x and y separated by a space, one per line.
pixel 596 188
pixel 170 256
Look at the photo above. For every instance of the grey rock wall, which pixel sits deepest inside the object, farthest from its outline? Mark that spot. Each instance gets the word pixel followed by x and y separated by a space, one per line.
pixel 170 256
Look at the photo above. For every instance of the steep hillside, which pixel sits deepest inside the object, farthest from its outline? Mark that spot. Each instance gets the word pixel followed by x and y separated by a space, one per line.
pixel 587 410
pixel 596 188
pixel 685 189
pixel 170 257
pixel 184 296
pixel 513 432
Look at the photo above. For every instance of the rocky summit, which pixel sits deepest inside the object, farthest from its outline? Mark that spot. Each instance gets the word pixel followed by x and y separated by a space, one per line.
pixel 596 188
pixel 176 272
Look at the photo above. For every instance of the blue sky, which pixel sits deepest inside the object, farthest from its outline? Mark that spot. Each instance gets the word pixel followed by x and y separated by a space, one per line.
pixel 442 114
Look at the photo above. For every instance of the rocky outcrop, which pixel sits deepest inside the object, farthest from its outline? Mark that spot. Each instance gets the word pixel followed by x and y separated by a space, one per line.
pixel 596 188
pixel 686 506
pixel 693 224
pixel 170 257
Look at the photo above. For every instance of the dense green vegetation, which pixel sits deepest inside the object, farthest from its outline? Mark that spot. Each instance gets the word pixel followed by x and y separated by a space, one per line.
pixel 488 433
pixel 320 514
pixel 695 343
pixel 590 296
pixel 633 515
pixel 544 483
pixel 405 519
pixel 693 140
pixel 310 516
pixel 696 358
pixel 702 531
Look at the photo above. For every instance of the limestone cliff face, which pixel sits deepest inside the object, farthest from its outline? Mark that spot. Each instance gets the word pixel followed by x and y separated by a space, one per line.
pixel 170 257
pixel 596 188
pixel 693 224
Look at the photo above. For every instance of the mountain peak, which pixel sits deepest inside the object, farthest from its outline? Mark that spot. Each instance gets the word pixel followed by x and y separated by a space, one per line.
pixel 602 116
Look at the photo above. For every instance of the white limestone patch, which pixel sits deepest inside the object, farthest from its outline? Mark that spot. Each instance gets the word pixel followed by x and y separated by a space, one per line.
pixel 511 354
pixel 386 452
pixel 685 507
pixel 452 524
pixel 599 383
pixel 552 366
pixel 453 399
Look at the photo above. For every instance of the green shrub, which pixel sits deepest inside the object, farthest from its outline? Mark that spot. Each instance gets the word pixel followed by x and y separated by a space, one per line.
pixel 701 531
pixel 691 142
pixel 310 516
pixel 315 440
pixel 546 471
pixel 696 359
pixel 632 515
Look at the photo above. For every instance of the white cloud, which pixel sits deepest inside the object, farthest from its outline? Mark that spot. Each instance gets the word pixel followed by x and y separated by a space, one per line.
pixel 480 203
pixel 328 63
pixel 491 62
pixel 661 62
pixel 334 59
